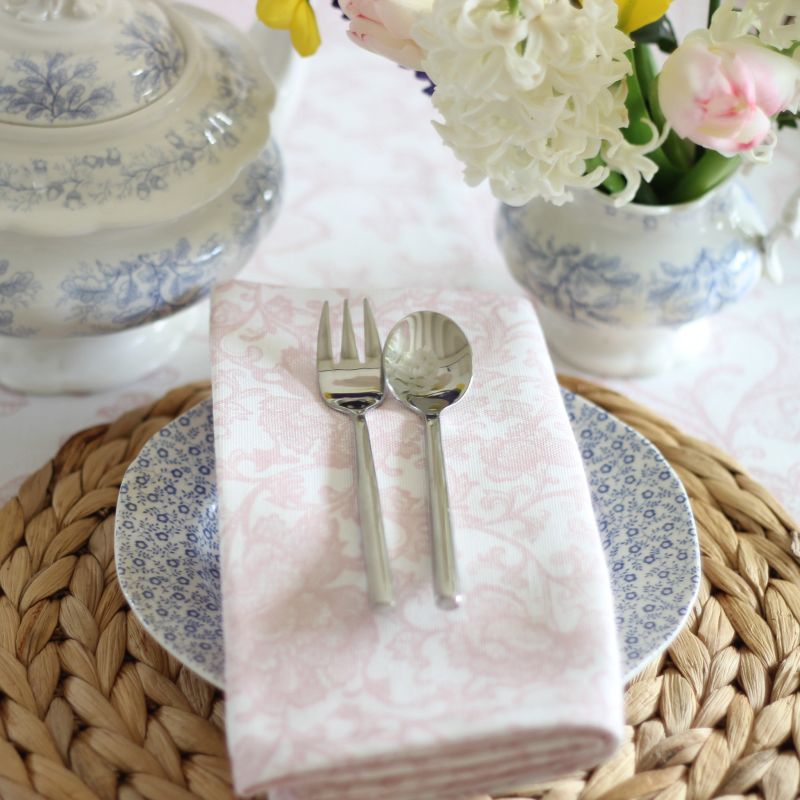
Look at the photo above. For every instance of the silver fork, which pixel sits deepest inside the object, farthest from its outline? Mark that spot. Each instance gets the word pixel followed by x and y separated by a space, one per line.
pixel 354 387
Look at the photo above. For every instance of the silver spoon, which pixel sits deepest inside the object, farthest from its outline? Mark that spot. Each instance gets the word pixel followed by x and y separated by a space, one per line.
pixel 427 361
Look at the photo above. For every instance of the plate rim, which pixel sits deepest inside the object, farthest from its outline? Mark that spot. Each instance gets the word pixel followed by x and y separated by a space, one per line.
pixel 199 669
pixel 201 410
pixel 697 560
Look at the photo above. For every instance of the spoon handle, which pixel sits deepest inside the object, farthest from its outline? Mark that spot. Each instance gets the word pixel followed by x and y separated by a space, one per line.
pixel 376 558
pixel 445 571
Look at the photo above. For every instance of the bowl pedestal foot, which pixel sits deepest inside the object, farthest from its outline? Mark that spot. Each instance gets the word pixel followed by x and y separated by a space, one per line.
pixel 85 364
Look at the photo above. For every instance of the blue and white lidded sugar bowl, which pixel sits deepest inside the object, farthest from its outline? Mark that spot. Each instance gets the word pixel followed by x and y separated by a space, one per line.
pixel 136 169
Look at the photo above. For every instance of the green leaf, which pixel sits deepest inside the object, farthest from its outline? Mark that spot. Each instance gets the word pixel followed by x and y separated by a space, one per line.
pixel 647 195
pixel 640 132
pixel 681 152
pixel 645 65
pixel 787 119
pixel 713 5
pixel 660 33
pixel 710 171
pixel 614 183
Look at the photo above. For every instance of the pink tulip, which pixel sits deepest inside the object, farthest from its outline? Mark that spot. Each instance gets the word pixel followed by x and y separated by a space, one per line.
pixel 723 95
pixel 384 27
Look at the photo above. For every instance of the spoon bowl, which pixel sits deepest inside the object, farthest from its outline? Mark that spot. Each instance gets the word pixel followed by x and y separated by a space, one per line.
pixel 427 362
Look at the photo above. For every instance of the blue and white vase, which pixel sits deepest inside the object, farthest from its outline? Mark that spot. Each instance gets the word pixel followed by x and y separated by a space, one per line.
pixel 628 291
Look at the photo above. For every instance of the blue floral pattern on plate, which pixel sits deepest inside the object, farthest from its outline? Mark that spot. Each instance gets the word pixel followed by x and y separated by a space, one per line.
pixel 167 545
pixel 647 529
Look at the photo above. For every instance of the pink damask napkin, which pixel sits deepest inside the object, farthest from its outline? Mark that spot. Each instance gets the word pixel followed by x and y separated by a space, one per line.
pixel 327 699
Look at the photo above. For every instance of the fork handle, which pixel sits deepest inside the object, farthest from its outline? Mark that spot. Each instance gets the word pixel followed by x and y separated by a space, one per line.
pixel 376 557
pixel 445 570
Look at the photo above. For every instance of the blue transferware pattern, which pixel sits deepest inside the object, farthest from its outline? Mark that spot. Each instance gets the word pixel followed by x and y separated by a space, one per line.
pixel 148 287
pixel 581 285
pixel 646 526
pixel 167 546
pixel 95 178
pixel 17 290
pixel 588 286
pixel 157 52
pixel 59 87
pixel 684 293
pixel 153 285
pixel 262 192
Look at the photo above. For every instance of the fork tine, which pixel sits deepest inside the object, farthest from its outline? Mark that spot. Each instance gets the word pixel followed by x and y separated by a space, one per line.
pixel 324 349
pixel 349 348
pixel 372 341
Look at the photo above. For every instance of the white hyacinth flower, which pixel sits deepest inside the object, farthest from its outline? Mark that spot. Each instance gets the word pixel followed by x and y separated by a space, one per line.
pixel 528 97
pixel 777 22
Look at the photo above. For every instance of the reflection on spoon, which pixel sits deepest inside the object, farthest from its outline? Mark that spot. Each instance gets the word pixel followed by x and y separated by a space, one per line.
pixel 428 365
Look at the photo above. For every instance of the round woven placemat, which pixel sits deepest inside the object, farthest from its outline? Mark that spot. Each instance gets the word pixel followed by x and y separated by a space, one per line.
pixel 91 707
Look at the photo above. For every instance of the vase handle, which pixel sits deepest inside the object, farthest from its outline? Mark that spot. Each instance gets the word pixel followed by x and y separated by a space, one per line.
pixel 752 228
pixel 788 226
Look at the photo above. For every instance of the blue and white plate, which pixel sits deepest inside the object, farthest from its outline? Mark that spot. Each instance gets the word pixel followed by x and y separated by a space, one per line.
pixel 167 545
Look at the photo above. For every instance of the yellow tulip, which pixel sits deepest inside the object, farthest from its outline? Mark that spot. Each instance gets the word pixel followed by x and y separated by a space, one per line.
pixel 297 17
pixel 635 14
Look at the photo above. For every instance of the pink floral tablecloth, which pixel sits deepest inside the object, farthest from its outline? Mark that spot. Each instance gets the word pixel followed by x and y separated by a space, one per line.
pixel 374 199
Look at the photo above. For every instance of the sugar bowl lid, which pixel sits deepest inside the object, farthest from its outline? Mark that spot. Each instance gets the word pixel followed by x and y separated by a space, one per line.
pixel 122 113
pixel 66 63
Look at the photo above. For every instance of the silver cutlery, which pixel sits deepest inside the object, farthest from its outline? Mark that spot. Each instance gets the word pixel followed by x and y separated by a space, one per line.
pixel 428 364
pixel 354 387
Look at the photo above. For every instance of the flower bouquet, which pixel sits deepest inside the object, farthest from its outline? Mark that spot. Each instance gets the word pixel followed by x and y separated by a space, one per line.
pixel 572 109
pixel 542 97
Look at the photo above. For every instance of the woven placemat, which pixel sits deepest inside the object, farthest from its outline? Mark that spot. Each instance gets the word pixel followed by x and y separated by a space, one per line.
pixel 91 707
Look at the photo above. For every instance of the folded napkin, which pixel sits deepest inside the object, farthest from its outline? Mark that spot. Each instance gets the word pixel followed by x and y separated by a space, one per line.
pixel 327 698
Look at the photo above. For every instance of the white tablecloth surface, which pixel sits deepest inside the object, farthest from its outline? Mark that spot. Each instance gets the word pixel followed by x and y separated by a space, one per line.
pixel 374 199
